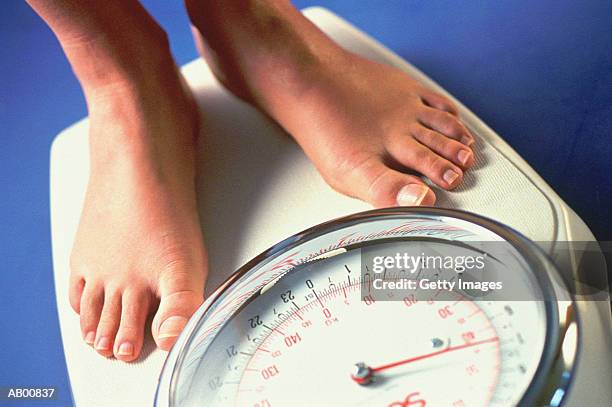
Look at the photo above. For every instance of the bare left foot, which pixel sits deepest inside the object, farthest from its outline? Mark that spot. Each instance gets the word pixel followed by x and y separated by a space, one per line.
pixel 139 247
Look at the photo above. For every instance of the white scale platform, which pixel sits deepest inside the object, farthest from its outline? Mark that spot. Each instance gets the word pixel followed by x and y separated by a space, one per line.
pixel 250 201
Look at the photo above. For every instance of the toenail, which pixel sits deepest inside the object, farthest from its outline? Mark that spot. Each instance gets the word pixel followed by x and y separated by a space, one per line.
pixel 450 176
pixel 468 141
pixel 103 343
pixel 126 349
pixel 411 195
pixel 463 156
pixel 90 337
pixel 172 327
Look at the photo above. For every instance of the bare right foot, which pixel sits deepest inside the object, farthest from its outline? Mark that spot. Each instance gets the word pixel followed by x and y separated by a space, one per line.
pixel 363 124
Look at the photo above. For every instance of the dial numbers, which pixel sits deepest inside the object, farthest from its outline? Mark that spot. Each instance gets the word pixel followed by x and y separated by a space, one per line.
pixel 299 342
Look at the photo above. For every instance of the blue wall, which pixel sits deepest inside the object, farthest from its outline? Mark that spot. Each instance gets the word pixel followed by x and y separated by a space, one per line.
pixel 539 73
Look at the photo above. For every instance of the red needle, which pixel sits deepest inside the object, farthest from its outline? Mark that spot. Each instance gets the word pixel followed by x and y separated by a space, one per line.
pixel 429 355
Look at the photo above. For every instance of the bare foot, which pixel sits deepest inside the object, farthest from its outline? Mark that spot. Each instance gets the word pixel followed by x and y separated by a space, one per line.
pixel 363 124
pixel 139 248
pixel 139 242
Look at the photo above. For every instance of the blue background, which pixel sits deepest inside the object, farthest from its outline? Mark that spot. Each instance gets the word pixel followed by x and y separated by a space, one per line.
pixel 539 73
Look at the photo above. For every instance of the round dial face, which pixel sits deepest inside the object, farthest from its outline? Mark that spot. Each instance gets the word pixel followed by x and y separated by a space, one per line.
pixel 310 335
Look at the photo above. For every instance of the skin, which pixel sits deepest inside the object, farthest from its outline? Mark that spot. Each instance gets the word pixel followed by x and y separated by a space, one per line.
pixel 363 124
pixel 139 247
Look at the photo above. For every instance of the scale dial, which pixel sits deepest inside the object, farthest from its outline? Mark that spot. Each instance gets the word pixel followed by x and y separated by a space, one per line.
pixel 297 327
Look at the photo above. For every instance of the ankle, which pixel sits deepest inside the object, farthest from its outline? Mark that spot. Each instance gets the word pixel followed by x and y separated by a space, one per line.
pixel 256 48
pixel 103 60
pixel 152 127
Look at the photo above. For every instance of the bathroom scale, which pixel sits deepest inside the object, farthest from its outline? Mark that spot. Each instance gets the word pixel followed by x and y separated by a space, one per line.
pixel 249 204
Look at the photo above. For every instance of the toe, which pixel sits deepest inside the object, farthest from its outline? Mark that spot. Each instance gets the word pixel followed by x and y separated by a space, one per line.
pixel 134 309
pixel 92 301
pixel 445 123
pixel 448 148
pixel 181 295
pixel 410 153
pixel 109 322
pixel 439 102
pixel 376 183
pixel 172 316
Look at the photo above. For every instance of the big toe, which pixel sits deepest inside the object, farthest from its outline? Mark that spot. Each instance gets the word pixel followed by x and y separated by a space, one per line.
pixel 174 312
pixel 376 183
